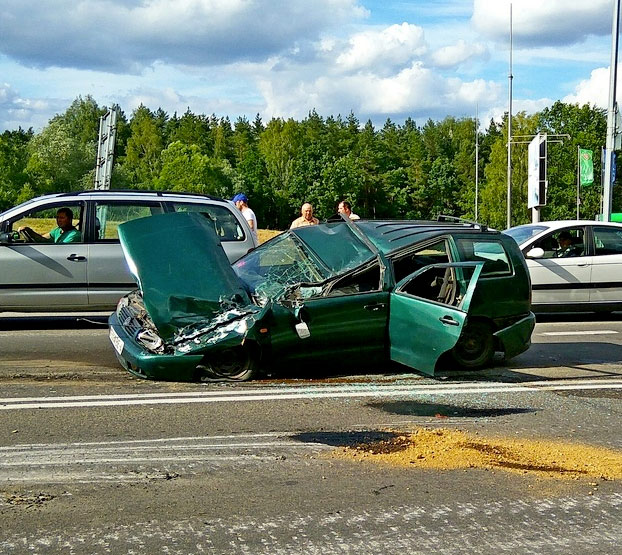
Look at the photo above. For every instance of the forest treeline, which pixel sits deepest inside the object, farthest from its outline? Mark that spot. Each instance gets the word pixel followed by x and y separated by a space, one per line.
pixel 396 171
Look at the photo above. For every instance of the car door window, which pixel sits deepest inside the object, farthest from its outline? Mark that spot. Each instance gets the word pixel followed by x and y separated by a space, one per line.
pixel 563 243
pixel 227 226
pixel 434 253
pixel 607 240
pixel 110 215
pixel 491 253
pixel 40 225
pixel 362 281
pixel 438 284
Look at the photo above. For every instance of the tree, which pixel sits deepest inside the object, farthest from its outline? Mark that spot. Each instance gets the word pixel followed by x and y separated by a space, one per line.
pixel 13 160
pixel 58 161
pixel 586 127
pixel 142 160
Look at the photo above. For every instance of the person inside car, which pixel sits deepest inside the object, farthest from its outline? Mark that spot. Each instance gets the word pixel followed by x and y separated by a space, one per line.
pixel 65 232
pixel 566 246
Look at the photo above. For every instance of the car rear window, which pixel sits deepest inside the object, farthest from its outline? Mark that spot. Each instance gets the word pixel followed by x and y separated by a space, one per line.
pixel 492 253
pixel 227 226
pixel 607 240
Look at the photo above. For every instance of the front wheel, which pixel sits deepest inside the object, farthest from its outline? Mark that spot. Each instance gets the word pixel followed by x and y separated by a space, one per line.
pixel 475 347
pixel 235 364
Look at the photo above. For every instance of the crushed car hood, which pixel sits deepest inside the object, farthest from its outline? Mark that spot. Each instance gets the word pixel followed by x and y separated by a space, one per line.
pixel 181 269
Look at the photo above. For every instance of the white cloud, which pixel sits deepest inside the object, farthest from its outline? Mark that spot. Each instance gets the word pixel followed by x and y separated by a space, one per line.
pixel 416 91
pixel 542 22
pixel 16 111
pixel 456 54
pixel 594 91
pixel 391 47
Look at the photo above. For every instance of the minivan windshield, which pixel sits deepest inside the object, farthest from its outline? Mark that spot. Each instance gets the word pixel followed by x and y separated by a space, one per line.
pixel 308 255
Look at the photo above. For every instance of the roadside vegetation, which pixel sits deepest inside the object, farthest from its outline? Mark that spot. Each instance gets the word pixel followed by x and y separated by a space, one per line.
pixel 401 170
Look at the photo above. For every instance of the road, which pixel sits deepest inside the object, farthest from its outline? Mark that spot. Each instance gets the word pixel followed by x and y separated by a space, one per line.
pixel 96 461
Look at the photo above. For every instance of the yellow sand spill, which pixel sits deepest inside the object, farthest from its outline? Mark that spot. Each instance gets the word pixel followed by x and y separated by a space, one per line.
pixel 443 449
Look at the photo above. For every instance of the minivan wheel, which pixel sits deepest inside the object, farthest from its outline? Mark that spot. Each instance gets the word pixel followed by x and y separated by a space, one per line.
pixel 475 348
pixel 233 364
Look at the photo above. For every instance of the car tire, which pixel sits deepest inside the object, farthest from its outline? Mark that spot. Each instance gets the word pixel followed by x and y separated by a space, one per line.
pixel 237 364
pixel 475 348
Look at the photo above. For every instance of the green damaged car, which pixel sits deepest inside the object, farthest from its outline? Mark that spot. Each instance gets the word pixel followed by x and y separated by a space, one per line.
pixel 363 292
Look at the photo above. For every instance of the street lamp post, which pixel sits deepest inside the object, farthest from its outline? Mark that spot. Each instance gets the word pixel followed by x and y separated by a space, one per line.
pixel 510 77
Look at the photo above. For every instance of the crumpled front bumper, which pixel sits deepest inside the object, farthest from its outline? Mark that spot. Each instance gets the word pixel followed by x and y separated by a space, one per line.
pixel 143 364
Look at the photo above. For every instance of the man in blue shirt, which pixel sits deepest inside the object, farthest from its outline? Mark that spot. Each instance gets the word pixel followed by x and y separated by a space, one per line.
pixel 64 233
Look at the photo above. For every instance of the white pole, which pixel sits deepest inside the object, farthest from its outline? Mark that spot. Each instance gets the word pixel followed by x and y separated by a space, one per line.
pixel 510 77
pixel 476 160
pixel 611 112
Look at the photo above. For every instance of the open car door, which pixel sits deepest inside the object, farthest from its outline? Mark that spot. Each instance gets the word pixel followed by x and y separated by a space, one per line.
pixel 428 310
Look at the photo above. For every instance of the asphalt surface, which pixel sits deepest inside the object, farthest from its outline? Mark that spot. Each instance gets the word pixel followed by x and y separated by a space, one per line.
pixel 95 461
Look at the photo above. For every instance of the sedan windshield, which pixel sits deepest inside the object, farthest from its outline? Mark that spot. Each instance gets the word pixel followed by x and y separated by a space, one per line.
pixel 522 233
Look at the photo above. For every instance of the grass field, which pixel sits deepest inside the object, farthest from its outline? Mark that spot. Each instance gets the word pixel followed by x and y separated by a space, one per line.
pixel 265 234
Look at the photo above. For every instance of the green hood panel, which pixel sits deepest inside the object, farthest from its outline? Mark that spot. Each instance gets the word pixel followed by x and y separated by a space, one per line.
pixel 181 269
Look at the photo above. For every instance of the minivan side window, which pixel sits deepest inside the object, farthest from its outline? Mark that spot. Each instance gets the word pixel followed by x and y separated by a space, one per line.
pixel 110 215
pixel 39 225
pixel 607 240
pixel 492 253
pixel 227 226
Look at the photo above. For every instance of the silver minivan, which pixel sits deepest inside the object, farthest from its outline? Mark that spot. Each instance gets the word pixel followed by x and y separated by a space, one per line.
pixel 90 273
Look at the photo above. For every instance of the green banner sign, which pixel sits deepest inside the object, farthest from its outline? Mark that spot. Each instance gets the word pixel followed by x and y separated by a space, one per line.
pixel 586 167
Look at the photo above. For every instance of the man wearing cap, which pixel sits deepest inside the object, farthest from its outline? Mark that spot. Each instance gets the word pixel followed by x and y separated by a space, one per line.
pixel 241 202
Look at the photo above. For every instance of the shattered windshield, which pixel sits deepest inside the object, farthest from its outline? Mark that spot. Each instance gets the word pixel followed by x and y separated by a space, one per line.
pixel 269 270
pixel 311 255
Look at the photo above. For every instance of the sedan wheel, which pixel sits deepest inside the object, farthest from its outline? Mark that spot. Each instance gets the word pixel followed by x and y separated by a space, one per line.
pixel 233 364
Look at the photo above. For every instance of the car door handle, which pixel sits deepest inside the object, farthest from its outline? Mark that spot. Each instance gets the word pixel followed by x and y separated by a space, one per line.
pixel 584 264
pixel 449 320
pixel 374 307
pixel 76 258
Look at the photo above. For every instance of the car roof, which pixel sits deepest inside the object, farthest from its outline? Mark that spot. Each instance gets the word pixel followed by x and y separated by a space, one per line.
pixel 115 194
pixel 391 235
pixel 558 224
pixel 133 192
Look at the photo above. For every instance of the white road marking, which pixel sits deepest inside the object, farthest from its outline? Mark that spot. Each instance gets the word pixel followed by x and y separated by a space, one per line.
pixel 304 392
pixel 109 460
pixel 583 332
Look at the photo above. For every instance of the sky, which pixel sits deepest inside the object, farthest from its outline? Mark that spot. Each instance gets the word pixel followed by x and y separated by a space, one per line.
pixel 378 59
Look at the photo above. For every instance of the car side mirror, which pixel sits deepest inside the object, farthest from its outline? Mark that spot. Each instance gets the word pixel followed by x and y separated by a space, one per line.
pixel 536 252
pixel 8 238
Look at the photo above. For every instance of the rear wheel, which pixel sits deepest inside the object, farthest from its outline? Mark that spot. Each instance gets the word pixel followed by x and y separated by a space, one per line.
pixel 475 347
pixel 233 364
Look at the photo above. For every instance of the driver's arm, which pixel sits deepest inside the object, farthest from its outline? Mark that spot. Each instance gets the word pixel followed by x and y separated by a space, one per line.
pixel 32 235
